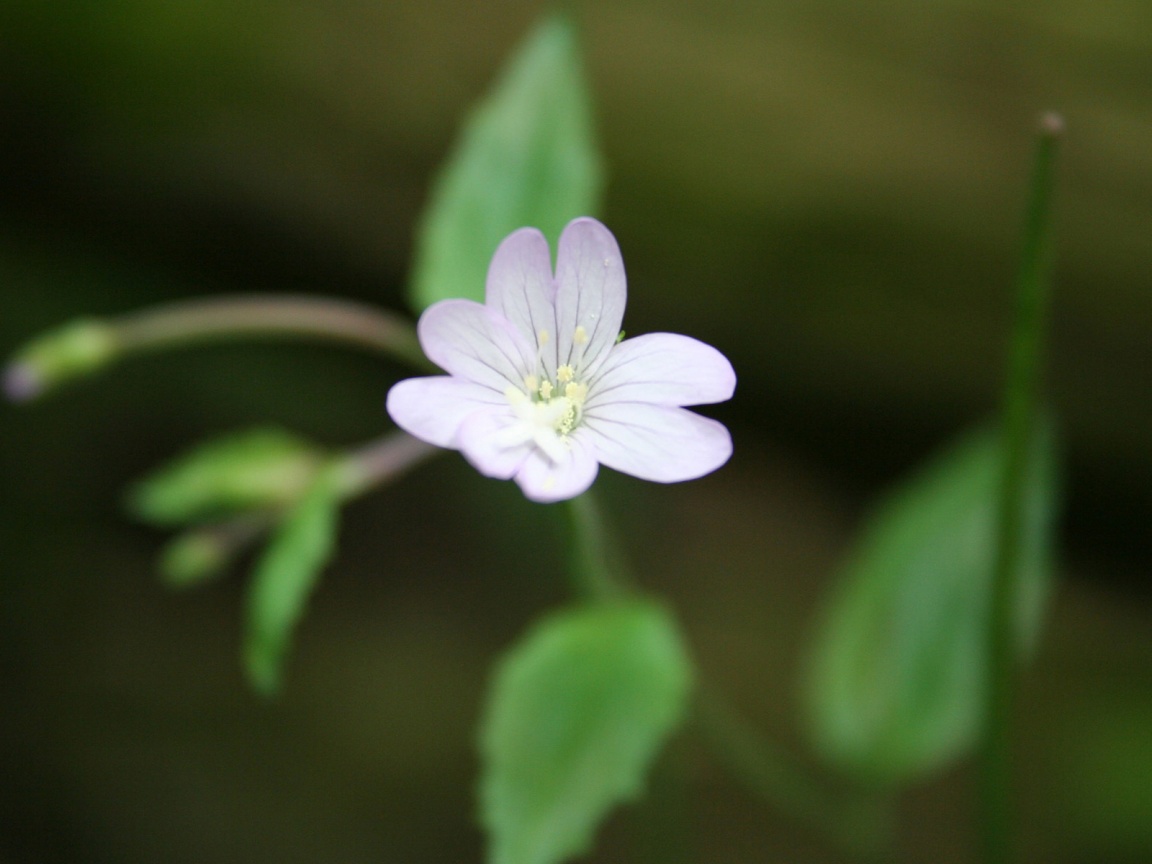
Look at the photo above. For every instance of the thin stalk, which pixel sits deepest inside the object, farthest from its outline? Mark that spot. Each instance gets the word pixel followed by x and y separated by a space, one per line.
pixel 270 316
pixel 382 461
pixel 1019 418
pixel 857 824
pixel 597 570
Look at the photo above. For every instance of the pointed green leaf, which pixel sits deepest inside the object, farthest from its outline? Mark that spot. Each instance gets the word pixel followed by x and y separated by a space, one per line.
pixel 285 577
pixel 578 711
pixel 255 469
pixel 526 157
pixel 897 678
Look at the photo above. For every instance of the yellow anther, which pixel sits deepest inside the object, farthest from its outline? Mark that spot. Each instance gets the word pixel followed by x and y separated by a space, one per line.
pixel 542 337
pixel 580 336
pixel 565 374
pixel 546 390
pixel 575 392
pixel 531 382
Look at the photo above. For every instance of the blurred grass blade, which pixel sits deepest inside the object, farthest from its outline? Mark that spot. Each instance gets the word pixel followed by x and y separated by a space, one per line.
pixel 578 711
pixel 898 675
pixel 250 470
pixel 285 577
pixel 526 157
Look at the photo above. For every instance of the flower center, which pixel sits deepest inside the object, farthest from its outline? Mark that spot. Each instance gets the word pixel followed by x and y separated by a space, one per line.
pixel 546 412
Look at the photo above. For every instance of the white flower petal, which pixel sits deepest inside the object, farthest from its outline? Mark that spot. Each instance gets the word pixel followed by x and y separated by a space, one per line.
pixel 544 480
pixel 521 288
pixel 664 369
pixel 433 408
pixel 495 441
pixel 476 343
pixel 590 294
pixel 656 442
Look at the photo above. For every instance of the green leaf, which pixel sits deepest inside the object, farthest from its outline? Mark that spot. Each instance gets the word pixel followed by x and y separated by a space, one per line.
pixel 255 469
pixel 526 157
pixel 578 711
pixel 285 577
pixel 897 678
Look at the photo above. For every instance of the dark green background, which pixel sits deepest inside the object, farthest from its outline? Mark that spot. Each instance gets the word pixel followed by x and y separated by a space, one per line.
pixel 830 192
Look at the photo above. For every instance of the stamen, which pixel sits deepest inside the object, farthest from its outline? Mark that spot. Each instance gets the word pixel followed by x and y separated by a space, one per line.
pixel 531 382
pixel 542 337
pixel 565 374
pixel 546 390
pixel 580 337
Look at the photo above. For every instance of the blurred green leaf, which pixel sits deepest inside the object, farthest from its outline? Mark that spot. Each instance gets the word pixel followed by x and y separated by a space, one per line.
pixel 578 711
pixel 897 675
pixel 285 577
pixel 255 469
pixel 527 156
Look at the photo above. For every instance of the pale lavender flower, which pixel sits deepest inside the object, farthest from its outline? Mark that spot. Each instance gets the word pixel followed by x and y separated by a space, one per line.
pixel 541 389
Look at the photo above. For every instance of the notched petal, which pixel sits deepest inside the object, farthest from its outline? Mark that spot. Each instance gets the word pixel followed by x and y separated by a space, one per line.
pixel 521 288
pixel 591 292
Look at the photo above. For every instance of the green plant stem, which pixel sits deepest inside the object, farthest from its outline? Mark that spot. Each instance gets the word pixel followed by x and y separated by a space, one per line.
pixel 269 316
pixel 1019 413
pixel 857 824
pixel 597 570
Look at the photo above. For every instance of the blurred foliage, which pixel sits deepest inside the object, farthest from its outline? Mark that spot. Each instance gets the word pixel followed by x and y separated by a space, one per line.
pixel 897 684
pixel 252 470
pixel 578 711
pixel 285 576
pixel 828 191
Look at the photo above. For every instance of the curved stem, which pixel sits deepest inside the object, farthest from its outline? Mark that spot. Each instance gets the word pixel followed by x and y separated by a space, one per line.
pixel 857 824
pixel 270 316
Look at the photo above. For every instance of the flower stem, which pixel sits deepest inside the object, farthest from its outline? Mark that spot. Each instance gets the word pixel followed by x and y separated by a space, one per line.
pixel 858 825
pixel 250 316
pixel 87 346
pixel 597 569
pixel 382 461
pixel 1019 412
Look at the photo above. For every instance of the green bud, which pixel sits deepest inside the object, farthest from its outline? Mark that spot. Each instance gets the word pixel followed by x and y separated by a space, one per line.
pixel 256 470
pixel 76 349
pixel 194 558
